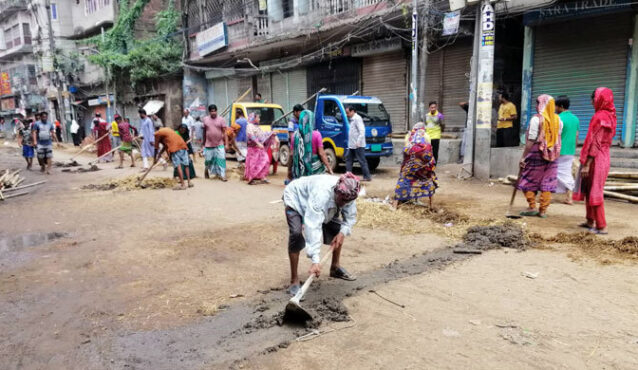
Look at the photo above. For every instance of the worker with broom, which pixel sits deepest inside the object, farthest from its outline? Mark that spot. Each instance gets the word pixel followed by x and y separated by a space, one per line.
pixel 314 203
pixel 177 150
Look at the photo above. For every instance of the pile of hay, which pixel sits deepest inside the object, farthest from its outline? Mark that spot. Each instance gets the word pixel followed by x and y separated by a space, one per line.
pixel 130 183
pixel 594 246
pixel 408 219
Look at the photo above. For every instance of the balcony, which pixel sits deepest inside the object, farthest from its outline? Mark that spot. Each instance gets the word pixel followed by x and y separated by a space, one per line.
pixel 10 7
pixel 16 50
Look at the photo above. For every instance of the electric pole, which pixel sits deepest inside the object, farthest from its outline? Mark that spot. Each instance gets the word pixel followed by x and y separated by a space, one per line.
pixel 63 105
pixel 423 59
pixel 414 96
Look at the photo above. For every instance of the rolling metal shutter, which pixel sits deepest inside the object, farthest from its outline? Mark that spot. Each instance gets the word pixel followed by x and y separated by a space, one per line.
pixel 448 83
pixel 243 84
pixel 384 76
pixel 280 90
pixel 573 58
pixel 263 87
pixel 340 77
pixel 297 88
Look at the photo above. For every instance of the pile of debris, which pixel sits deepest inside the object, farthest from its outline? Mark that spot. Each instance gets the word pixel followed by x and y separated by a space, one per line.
pixel 132 183
pixel 619 185
pixel 10 183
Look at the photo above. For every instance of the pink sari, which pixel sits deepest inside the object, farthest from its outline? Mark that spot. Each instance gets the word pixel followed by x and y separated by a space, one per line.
pixel 257 160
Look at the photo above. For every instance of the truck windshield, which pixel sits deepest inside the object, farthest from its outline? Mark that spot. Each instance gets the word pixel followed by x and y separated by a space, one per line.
pixel 372 114
pixel 266 115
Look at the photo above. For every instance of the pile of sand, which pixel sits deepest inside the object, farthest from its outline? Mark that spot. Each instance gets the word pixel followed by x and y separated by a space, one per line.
pixel 130 183
pixel 594 246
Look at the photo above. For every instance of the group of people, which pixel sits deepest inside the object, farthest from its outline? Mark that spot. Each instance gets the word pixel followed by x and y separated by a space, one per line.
pixel 550 146
pixel 36 137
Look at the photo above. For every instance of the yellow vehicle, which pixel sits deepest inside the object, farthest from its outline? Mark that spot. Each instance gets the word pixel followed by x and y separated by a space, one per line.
pixel 267 113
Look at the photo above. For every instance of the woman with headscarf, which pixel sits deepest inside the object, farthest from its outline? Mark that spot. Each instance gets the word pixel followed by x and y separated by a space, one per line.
pixel 417 178
pixel 257 161
pixel 539 168
pixel 418 127
pixel 595 161
pixel 103 146
pixel 308 155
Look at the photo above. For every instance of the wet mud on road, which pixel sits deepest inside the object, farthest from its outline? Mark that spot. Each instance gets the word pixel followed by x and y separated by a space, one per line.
pixel 255 327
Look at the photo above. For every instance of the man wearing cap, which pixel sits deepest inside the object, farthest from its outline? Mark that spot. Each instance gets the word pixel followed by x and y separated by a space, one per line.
pixel 313 204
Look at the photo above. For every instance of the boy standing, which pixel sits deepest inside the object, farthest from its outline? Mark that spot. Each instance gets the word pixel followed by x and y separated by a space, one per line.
pixel 43 134
pixel 25 140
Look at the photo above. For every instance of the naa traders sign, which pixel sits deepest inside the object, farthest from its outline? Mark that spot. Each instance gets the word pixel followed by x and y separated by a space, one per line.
pixel 212 39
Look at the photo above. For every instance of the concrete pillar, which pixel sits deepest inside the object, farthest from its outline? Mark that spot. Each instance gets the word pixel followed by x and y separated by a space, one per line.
pixel 631 88
pixel 526 89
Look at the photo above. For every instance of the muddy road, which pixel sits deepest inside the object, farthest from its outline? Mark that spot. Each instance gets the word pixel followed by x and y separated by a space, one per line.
pixel 157 279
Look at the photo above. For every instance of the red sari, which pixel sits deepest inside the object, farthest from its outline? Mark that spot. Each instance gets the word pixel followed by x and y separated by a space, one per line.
pixel 104 146
pixel 602 129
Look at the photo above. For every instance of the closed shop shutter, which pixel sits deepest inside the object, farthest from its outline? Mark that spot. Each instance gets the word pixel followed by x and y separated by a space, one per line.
pixel 447 82
pixel 384 76
pixel 263 87
pixel 279 89
pixel 244 84
pixel 341 77
pixel 573 58
pixel 297 88
pixel 217 92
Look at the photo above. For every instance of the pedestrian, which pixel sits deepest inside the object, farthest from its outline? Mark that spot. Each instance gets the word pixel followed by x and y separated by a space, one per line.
pixel 36 118
pixel 25 140
pixel 357 143
pixel 103 146
pixel 198 135
pixel 241 140
pixel 595 160
pixel 157 122
pixel 126 140
pixel 306 146
pixel 257 160
pixel 293 122
pixel 1 124
pixel 418 127
pixel 176 148
pixel 568 140
pixel 313 207
pixel 183 131
pixel 539 168
pixel 44 134
pixel 147 132
pixel 116 140
pixel 505 125
pixel 58 131
pixel 75 128
pixel 215 144
pixel 434 126
pixel 189 121
pixel 259 99
pixel 417 178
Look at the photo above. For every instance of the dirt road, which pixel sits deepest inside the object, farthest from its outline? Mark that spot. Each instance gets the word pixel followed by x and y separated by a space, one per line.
pixel 158 279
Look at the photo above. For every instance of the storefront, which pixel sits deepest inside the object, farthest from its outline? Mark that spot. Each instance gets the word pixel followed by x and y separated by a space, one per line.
pixel 576 50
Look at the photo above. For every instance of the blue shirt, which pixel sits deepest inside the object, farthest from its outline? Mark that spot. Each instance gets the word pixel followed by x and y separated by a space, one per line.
pixel 241 135
pixel 293 124
pixel 43 133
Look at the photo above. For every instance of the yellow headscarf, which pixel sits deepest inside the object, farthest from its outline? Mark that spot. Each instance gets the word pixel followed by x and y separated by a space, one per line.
pixel 551 123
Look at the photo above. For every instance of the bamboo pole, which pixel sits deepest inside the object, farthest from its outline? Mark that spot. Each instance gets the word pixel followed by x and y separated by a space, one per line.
pixel 624 175
pixel 235 101
pixel 302 103
pixel 621 187
pixel 87 146
pixel 25 186
pixel 613 194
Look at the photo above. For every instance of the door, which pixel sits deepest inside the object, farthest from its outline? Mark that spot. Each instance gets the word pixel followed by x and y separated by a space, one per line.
pixel 332 123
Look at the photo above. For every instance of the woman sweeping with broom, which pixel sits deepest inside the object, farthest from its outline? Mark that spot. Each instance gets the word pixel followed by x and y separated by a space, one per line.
pixel 539 168
pixel 595 161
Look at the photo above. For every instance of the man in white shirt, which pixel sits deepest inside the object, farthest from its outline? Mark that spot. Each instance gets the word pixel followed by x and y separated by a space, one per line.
pixel 357 143
pixel 189 121
pixel 313 204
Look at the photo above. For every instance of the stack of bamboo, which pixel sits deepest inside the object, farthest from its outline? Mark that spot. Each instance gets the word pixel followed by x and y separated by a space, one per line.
pixel 10 184
pixel 622 185
pixel 619 185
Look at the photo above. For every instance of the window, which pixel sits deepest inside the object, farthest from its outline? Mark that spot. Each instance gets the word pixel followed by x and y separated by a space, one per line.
pixel 54 11
pixel 92 6
pixel 33 80
pixel 12 36
pixel 373 114
pixel 266 115
pixel 288 8
pixel 26 33
pixel 8 38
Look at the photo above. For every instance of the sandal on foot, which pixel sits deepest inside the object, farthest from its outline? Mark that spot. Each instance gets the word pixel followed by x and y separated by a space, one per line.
pixel 529 213
pixel 190 185
pixel 596 231
pixel 542 215
pixel 179 187
pixel 585 225
pixel 341 273
pixel 294 289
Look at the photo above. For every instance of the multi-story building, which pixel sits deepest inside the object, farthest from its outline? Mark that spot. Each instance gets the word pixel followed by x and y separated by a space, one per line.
pixel 19 93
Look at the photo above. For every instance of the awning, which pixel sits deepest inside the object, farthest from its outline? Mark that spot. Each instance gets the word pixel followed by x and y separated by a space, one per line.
pixel 153 106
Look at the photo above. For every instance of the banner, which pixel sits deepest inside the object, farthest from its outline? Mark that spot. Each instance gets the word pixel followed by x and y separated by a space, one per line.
pixel 451 23
pixel 212 39
pixel 5 84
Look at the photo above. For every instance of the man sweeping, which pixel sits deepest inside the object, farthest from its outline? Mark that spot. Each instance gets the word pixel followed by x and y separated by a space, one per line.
pixel 177 150
pixel 314 204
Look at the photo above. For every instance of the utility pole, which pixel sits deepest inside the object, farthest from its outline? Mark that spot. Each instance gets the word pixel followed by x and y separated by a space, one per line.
pixel 106 85
pixel 484 91
pixel 470 128
pixel 414 67
pixel 423 59
pixel 62 104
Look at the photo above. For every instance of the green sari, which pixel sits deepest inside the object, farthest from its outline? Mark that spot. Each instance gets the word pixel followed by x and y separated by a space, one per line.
pixel 304 163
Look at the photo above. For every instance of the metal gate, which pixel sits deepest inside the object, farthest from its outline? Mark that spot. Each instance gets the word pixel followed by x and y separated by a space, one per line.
pixel 339 76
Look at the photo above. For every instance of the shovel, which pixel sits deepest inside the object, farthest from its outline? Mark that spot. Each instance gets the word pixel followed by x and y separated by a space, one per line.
pixel 294 311
pixel 509 210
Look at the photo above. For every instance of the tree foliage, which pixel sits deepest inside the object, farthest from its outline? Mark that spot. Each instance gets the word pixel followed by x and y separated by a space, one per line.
pixel 128 58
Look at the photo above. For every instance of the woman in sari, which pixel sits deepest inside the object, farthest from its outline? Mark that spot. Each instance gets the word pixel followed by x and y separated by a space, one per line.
pixel 308 155
pixel 257 161
pixel 417 178
pixel 103 146
pixel 595 161
pixel 539 168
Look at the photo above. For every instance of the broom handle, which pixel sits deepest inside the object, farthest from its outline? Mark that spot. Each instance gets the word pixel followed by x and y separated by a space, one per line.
pixel 310 279
pixel 518 179
pixel 88 146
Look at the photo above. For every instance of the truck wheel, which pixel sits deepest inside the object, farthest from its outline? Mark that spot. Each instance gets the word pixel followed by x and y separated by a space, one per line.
pixel 373 163
pixel 332 158
pixel 284 154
